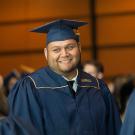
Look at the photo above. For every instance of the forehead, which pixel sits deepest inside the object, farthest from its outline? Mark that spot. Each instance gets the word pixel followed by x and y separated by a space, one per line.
pixel 62 43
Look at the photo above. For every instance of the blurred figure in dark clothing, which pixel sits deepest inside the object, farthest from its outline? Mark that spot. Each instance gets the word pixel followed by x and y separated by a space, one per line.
pixel 128 127
pixel 3 105
pixel 123 86
pixel 125 93
pixel 10 80
pixel 3 100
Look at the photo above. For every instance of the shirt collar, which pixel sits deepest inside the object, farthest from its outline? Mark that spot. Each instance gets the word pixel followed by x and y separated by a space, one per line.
pixel 73 79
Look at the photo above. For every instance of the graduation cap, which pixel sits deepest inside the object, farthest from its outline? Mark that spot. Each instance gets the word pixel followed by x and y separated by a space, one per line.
pixel 60 30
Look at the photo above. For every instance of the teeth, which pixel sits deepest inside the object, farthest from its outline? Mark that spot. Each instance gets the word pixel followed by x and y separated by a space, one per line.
pixel 65 61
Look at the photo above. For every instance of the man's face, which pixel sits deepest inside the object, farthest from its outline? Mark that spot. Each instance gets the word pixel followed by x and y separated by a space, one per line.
pixel 63 56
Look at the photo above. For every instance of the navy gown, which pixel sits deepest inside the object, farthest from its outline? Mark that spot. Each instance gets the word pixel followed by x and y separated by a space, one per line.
pixel 42 104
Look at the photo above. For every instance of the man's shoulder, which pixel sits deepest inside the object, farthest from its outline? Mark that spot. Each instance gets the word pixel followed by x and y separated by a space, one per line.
pixel 88 80
pixel 38 72
pixel 46 78
pixel 39 77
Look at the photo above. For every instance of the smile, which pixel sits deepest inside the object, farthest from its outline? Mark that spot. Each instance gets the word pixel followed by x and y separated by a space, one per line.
pixel 65 61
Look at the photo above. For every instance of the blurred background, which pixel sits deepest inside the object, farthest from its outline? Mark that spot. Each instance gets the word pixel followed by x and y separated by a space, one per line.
pixel 109 37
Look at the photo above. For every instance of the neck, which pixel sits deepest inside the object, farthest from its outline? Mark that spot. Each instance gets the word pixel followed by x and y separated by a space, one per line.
pixel 68 75
pixel 71 75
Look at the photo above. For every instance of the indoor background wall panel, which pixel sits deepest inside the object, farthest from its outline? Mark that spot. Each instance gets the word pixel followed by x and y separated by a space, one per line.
pixel 116 30
pixel 118 61
pixel 58 8
pixel 8 63
pixel 32 9
pixel 114 6
pixel 115 36
pixel 18 37
pixel 12 10
pixel 86 55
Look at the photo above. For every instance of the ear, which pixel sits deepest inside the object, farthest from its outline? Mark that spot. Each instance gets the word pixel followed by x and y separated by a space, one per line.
pixel 79 45
pixel 45 53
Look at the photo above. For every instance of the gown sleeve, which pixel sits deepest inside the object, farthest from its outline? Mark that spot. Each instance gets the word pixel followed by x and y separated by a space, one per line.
pixel 113 116
pixel 25 115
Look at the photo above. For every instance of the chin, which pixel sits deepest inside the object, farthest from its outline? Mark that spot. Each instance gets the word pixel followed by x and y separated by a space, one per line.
pixel 65 70
pixel 68 70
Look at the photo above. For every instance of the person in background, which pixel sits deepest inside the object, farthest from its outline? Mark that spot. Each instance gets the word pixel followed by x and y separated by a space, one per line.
pixel 3 105
pixel 60 99
pixel 94 68
pixel 1 82
pixel 128 127
pixel 123 85
pixel 10 80
pixel 3 100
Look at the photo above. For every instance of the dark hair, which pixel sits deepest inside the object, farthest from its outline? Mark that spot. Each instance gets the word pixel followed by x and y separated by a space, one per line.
pixel 97 64
pixel 125 93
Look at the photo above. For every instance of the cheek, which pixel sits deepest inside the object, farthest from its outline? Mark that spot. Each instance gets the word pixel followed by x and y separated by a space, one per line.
pixel 77 54
pixel 52 58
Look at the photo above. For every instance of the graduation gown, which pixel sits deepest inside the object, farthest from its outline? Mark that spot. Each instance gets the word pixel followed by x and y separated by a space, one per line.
pixel 43 103
pixel 128 127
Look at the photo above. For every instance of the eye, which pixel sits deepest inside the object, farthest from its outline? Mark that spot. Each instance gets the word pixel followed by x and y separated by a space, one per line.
pixel 70 47
pixel 56 50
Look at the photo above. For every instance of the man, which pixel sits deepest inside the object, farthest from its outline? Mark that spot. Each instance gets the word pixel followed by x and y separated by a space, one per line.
pixel 128 127
pixel 59 99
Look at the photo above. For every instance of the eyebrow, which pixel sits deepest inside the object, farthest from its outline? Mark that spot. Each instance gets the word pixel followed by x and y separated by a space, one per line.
pixel 64 46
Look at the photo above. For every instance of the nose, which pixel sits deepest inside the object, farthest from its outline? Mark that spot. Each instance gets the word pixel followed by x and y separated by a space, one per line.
pixel 64 52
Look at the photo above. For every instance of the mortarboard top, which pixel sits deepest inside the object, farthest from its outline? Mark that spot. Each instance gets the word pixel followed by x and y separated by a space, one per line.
pixel 59 30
